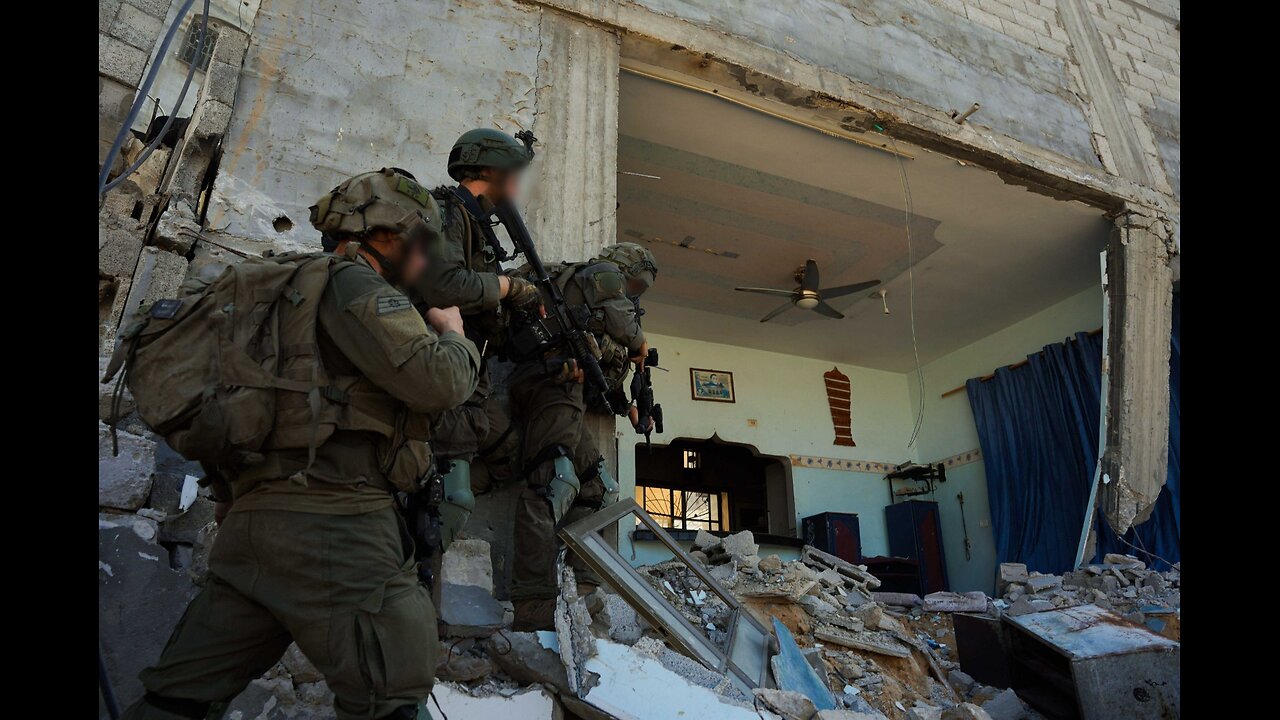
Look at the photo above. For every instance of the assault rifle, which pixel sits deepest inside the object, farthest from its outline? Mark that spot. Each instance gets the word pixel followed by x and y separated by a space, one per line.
pixel 572 330
pixel 642 396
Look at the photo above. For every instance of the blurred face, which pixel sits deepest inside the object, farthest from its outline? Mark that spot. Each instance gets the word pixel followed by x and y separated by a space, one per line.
pixel 416 255
pixel 503 186
pixel 635 288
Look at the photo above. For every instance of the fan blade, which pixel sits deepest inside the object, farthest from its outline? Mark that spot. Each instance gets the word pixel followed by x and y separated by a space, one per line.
pixel 824 309
pixel 810 276
pixel 767 291
pixel 777 312
pixel 846 289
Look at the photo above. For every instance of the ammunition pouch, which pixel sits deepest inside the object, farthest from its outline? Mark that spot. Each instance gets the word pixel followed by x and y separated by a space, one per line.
pixel 529 337
pixel 457 503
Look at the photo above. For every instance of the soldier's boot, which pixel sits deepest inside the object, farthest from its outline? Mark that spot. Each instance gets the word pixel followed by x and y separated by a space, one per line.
pixel 158 707
pixel 458 501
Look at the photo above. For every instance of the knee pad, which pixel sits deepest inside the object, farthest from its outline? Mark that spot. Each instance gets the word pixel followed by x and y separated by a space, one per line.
pixel 611 488
pixel 562 489
pixel 458 501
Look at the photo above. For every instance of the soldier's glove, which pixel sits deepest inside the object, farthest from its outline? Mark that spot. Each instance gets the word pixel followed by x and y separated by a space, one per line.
pixel 563 370
pixel 523 296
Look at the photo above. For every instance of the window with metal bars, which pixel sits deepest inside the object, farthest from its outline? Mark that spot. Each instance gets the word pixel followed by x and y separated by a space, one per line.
pixel 685 509
pixel 192 40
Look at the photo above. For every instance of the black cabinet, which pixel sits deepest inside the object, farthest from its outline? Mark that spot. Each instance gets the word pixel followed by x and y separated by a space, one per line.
pixel 915 532
pixel 834 533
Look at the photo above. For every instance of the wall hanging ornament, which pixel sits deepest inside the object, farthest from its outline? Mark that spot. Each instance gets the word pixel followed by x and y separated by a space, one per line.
pixel 838 393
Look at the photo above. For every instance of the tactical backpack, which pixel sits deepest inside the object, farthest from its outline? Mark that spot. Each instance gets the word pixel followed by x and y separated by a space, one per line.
pixel 233 369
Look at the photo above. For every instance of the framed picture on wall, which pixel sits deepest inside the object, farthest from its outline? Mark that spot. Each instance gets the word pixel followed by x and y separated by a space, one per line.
pixel 711 385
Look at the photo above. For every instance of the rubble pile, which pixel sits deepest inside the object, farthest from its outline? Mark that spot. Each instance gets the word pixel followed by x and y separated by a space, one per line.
pixel 883 655
pixel 1120 583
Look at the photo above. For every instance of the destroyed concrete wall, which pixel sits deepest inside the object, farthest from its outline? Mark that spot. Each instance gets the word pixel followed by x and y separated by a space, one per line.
pixel 949 429
pixel 127 30
pixel 352 88
pixel 238 14
pixel 784 413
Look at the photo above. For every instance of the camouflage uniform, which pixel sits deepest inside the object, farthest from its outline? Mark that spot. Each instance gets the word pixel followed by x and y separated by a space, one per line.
pixel 556 447
pixel 314 552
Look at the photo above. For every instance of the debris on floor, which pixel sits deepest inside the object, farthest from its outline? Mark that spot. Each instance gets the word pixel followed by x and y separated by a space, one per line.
pixel 842 650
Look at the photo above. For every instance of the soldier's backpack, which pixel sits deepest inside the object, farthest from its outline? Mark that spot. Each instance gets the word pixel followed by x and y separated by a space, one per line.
pixel 232 369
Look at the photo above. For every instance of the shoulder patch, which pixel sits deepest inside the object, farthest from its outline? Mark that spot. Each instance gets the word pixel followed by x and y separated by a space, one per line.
pixel 393 303
pixel 413 190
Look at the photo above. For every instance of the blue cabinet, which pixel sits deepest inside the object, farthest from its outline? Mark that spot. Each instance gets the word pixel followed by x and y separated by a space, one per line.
pixel 915 531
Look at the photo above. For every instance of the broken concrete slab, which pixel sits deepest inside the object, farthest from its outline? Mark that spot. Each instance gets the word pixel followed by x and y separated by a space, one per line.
pixel 469 611
pixel 1025 605
pixel 526 659
pixel 145 528
pixel 468 562
pixel 617 620
pixel 973 601
pixel 140 599
pixel 1040 582
pixel 898 599
pixel 459 666
pixel 769 564
pixel 790 705
pixel 635 686
pixel 1006 706
pixel 965 711
pixel 868 641
pixel 457 704
pixel 741 544
pixel 573 632
pixel 691 670
pixel 124 482
pixel 849 715
pixel 924 712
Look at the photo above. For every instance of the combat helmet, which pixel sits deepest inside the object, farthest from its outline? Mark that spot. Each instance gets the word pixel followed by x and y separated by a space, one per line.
pixel 388 199
pixel 635 261
pixel 486 147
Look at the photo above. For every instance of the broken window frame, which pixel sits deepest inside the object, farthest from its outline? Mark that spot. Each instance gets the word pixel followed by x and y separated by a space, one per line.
pixel 745 659
pixel 187 53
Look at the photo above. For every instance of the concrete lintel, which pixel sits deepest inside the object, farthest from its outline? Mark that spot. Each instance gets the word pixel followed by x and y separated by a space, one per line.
pixel 1140 281
pixel 905 119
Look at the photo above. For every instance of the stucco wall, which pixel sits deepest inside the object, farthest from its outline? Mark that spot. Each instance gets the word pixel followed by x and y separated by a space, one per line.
pixel 786 397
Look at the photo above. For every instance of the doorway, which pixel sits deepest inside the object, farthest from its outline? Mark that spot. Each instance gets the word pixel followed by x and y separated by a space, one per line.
pixel 713 485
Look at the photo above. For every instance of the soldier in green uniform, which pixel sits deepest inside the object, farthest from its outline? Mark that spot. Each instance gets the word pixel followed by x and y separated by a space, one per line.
pixel 312 550
pixel 566 475
pixel 467 273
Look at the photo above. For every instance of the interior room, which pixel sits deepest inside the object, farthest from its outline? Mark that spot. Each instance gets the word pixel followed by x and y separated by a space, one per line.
pixel 975 272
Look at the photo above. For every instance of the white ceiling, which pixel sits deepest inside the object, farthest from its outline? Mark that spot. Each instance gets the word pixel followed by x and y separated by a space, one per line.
pixel 985 253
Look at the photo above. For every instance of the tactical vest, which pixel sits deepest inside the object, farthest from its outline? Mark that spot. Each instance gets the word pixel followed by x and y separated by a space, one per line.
pixel 588 278
pixel 232 372
pixel 486 329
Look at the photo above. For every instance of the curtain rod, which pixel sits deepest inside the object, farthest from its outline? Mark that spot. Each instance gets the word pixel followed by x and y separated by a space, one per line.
pixel 1014 366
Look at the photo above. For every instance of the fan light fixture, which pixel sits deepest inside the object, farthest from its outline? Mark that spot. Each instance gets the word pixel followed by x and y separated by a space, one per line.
pixel 809 296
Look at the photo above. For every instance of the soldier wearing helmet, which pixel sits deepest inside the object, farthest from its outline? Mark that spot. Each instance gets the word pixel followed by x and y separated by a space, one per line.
pixel 311 549
pixel 566 474
pixel 466 272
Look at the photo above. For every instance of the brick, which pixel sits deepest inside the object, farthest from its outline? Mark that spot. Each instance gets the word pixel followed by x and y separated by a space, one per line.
pixel 120 61
pixel 999 9
pixel 1137 39
pixel 1121 7
pixel 985 18
pixel 1020 33
pixel 1040 12
pixel 1142 81
pixel 1059 33
pixel 1050 45
pixel 231 46
pixel 220 83
pixel 210 118
pixel 954 6
pixel 1151 71
pixel 155 8
pixel 1128 48
pixel 1143 97
pixel 137 28
pixel 107 14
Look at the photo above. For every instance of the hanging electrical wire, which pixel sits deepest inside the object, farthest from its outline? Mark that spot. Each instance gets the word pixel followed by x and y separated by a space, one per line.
pixel 103 185
pixel 908 212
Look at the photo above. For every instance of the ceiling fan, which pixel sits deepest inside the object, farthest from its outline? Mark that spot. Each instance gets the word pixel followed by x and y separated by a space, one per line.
pixel 809 296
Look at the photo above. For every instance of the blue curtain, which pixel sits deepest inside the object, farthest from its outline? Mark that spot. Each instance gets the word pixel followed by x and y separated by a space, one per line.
pixel 1038 427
